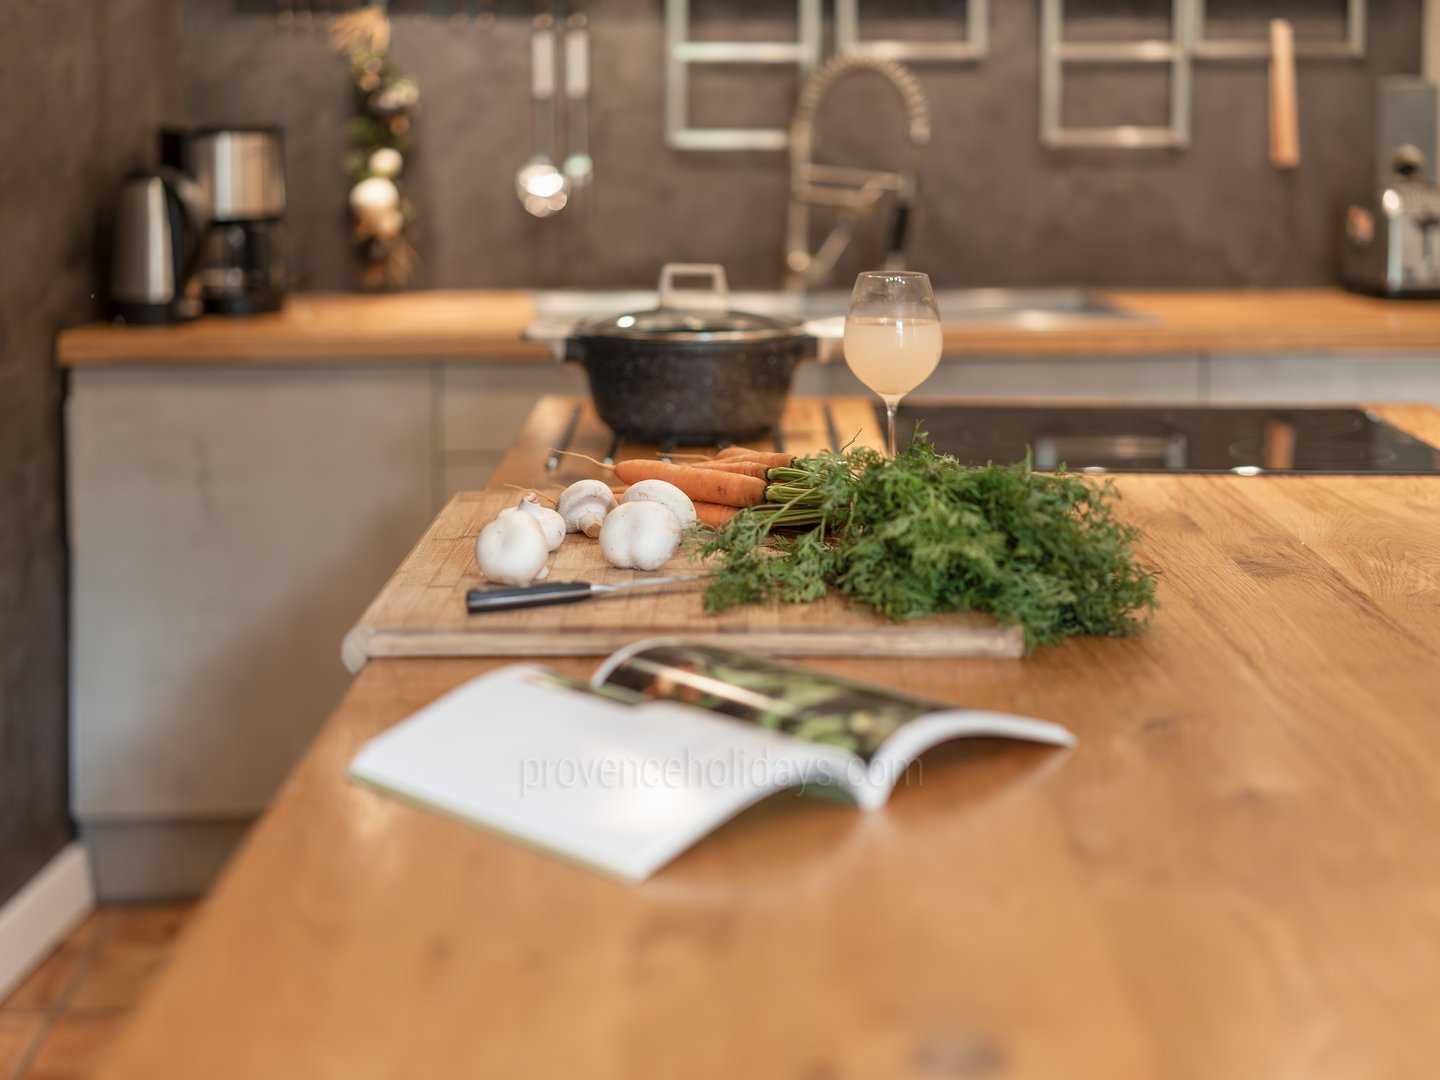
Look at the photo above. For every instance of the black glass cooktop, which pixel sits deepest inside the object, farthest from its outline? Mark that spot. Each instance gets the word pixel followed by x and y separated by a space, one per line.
pixel 1246 441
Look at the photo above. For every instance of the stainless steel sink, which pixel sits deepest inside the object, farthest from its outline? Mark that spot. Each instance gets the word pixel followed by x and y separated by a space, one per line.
pixel 1020 306
pixel 1026 309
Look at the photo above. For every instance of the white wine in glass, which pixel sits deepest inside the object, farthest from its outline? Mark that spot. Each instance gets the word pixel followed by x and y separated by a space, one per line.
pixel 892 336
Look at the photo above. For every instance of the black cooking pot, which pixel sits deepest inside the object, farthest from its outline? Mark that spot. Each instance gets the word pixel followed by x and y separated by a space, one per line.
pixel 691 370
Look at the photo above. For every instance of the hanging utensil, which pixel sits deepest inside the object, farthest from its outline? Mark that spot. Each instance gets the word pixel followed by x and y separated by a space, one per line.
pixel 542 188
pixel 1284 120
pixel 578 167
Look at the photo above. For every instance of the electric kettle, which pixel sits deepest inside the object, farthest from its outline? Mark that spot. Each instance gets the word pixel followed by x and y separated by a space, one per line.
pixel 159 226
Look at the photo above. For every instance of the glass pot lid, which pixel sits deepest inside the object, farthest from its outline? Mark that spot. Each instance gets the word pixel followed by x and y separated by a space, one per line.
pixel 679 324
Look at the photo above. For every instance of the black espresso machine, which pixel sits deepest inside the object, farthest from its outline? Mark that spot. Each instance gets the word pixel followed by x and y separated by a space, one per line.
pixel 241 175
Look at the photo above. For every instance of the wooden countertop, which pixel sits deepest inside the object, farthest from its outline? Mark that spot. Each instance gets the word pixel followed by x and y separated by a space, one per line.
pixel 1235 874
pixel 342 327
pixel 486 325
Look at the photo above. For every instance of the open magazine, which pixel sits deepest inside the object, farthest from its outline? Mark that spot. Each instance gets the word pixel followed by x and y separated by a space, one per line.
pixel 666 742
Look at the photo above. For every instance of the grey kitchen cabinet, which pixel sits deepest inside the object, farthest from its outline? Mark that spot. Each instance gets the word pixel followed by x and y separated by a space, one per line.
pixel 1222 378
pixel 1339 378
pixel 227 525
pixel 1172 379
pixel 482 407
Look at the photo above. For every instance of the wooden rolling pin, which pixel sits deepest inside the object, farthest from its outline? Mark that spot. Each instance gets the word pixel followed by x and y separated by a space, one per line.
pixel 1284 117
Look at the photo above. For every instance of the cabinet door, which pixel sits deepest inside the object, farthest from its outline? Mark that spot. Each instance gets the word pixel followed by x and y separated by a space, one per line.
pixel 1169 379
pixel 1333 379
pixel 482 409
pixel 226 527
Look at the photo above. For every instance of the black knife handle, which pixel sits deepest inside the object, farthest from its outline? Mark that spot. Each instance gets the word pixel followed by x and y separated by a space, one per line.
pixel 507 598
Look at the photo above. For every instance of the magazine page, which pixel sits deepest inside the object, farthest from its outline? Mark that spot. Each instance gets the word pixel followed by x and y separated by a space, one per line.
pixel 799 702
pixel 884 728
pixel 616 785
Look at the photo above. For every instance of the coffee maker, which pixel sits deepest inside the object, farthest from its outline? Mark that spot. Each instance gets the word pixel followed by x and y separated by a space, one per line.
pixel 240 172
pixel 1391 241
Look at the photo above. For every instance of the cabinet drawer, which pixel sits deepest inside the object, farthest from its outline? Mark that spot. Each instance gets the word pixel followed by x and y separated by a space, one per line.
pixel 1169 379
pixel 469 473
pixel 1319 380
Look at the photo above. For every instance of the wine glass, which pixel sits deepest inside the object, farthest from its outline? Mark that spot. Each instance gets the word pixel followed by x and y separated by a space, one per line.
pixel 892 336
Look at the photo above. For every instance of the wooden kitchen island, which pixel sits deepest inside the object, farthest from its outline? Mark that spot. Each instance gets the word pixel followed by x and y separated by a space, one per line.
pixel 1236 874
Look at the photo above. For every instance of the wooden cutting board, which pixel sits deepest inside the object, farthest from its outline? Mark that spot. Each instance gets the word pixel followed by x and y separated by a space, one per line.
pixel 421 610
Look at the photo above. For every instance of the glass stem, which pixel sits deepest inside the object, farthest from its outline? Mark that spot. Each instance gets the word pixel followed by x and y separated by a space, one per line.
pixel 890 407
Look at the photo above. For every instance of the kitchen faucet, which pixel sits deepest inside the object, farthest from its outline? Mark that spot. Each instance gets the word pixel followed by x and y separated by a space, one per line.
pixel 853 192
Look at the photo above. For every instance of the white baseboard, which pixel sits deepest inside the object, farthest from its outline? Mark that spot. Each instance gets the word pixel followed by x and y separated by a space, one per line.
pixel 38 917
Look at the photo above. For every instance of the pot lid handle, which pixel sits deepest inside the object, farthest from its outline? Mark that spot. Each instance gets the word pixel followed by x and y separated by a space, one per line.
pixel 714 298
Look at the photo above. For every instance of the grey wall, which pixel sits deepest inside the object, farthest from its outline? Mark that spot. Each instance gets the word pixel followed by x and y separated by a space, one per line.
pixel 997 207
pixel 84 84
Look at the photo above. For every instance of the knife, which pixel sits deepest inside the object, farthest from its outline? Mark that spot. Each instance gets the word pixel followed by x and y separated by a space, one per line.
pixel 555 592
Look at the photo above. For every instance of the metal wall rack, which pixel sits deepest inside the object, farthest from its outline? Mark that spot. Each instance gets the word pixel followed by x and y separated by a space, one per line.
pixel 681 53
pixel 1187 42
pixel 1056 52
pixel 1350 47
pixel 974 46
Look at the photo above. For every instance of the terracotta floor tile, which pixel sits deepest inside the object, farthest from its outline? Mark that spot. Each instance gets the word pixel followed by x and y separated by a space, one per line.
pixel 17 1034
pixel 75 1045
pixel 89 929
pixel 146 923
pixel 134 945
pixel 45 987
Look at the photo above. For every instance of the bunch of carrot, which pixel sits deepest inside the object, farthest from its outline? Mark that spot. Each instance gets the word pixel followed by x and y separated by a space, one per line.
pixel 719 486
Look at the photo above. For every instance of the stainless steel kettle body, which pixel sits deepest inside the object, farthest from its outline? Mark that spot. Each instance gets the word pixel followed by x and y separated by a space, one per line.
pixel 159 224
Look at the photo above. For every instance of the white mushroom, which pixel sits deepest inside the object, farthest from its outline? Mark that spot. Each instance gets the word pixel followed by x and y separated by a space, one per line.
pixel 511 550
pixel 640 536
pixel 550 521
pixel 584 505
pixel 667 495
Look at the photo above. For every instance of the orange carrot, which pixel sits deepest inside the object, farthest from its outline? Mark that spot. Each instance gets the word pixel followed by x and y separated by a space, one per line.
pixel 704 485
pixel 741 467
pixel 714 513
pixel 742 453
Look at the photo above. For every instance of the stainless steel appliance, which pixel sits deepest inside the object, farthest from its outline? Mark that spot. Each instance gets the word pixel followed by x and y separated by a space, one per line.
pixel 1213 439
pixel 159 228
pixel 241 176
pixel 1391 241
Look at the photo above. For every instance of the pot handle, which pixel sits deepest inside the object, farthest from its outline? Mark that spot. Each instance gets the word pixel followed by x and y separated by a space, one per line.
pixel 557 335
pixel 714 298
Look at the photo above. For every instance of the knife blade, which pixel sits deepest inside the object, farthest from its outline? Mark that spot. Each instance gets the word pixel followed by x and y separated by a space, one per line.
pixel 509 598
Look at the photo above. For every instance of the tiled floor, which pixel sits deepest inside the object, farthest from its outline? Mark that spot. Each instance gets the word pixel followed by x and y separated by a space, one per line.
pixel 57 1023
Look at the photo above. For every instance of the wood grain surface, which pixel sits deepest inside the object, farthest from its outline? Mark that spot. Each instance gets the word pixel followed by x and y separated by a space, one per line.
pixel 1235 875
pixel 421 610
pixel 486 325
pixel 344 327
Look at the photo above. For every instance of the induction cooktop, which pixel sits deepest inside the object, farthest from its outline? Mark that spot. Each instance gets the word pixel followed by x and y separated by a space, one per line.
pixel 1147 439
